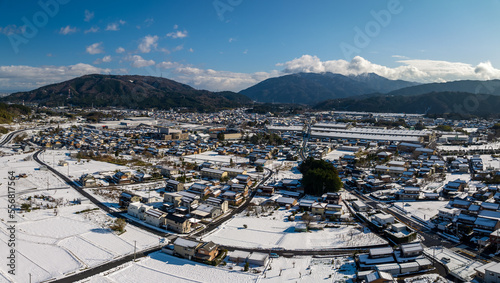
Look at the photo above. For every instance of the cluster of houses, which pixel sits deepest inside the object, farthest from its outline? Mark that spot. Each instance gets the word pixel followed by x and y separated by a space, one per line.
pixel 105 178
pixel 184 207
pixel 476 215
pixel 408 259
pixel 384 223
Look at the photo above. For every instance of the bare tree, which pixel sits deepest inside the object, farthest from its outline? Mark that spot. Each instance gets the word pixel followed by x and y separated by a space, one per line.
pixel 307 218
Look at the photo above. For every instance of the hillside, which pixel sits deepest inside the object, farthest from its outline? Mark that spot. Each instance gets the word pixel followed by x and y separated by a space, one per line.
pixel 311 88
pixel 9 111
pixel 129 92
pixel 429 103
pixel 486 87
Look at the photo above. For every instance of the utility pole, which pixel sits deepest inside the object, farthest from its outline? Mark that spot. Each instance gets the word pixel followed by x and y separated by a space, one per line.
pixel 135 249
pixel 30 276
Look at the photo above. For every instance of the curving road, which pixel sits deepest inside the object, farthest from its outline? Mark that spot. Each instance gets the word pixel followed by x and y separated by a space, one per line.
pixel 8 138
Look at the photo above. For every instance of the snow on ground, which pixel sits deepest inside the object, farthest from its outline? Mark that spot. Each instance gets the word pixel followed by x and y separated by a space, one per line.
pixel 76 169
pixel 276 231
pixel 159 267
pixel 50 245
pixel 454 176
pixel 212 156
pixel 285 170
pixel 336 154
pixel 490 163
pixel 458 264
pixel 309 269
pixel 422 209
pixel 427 278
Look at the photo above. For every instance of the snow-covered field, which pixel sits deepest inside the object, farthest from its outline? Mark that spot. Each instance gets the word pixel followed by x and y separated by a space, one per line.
pixel 50 245
pixel 75 168
pixel 160 267
pixel 336 154
pixel 276 231
pixel 212 156
pixel 422 209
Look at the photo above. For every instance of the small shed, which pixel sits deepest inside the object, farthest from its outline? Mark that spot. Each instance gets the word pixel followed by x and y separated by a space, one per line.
pixel 258 259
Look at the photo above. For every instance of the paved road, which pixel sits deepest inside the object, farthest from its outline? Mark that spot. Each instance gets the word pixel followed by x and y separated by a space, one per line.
pixel 107 266
pixel 92 199
pixel 428 239
pixel 8 138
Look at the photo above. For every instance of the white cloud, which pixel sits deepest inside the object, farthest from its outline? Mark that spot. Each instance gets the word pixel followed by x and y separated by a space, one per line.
pixel 139 62
pixel 176 26
pixel 92 30
pixel 88 15
pixel 191 50
pixel 231 39
pixel 418 70
pixel 20 78
pixel 12 29
pixel 486 71
pixel 399 57
pixel 120 50
pixel 147 42
pixel 411 70
pixel 105 59
pixel 67 30
pixel 95 48
pixel 178 48
pixel 178 34
pixel 212 79
pixel 116 25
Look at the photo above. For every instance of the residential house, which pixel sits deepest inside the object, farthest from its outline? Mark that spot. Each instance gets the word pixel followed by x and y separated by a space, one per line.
pixel 138 210
pixel 172 199
pixel 174 186
pixel 207 251
pixel 127 198
pixel 155 217
pixel 178 223
pixel 186 248
pixel 318 208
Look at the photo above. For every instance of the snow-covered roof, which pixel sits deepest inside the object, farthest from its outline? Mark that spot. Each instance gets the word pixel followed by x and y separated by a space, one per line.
pixel 185 243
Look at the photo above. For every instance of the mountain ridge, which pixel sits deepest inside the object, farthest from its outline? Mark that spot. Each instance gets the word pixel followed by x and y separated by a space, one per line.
pixel 311 88
pixel 130 91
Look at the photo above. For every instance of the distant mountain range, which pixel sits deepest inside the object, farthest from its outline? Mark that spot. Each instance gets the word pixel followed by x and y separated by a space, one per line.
pixel 462 104
pixel 470 86
pixel 327 91
pixel 311 88
pixel 129 92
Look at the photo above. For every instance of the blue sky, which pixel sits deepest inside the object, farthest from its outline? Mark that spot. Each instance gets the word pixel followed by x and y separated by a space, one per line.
pixel 233 44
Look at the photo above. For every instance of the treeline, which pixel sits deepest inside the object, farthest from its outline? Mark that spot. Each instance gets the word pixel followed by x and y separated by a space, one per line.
pixel 9 111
